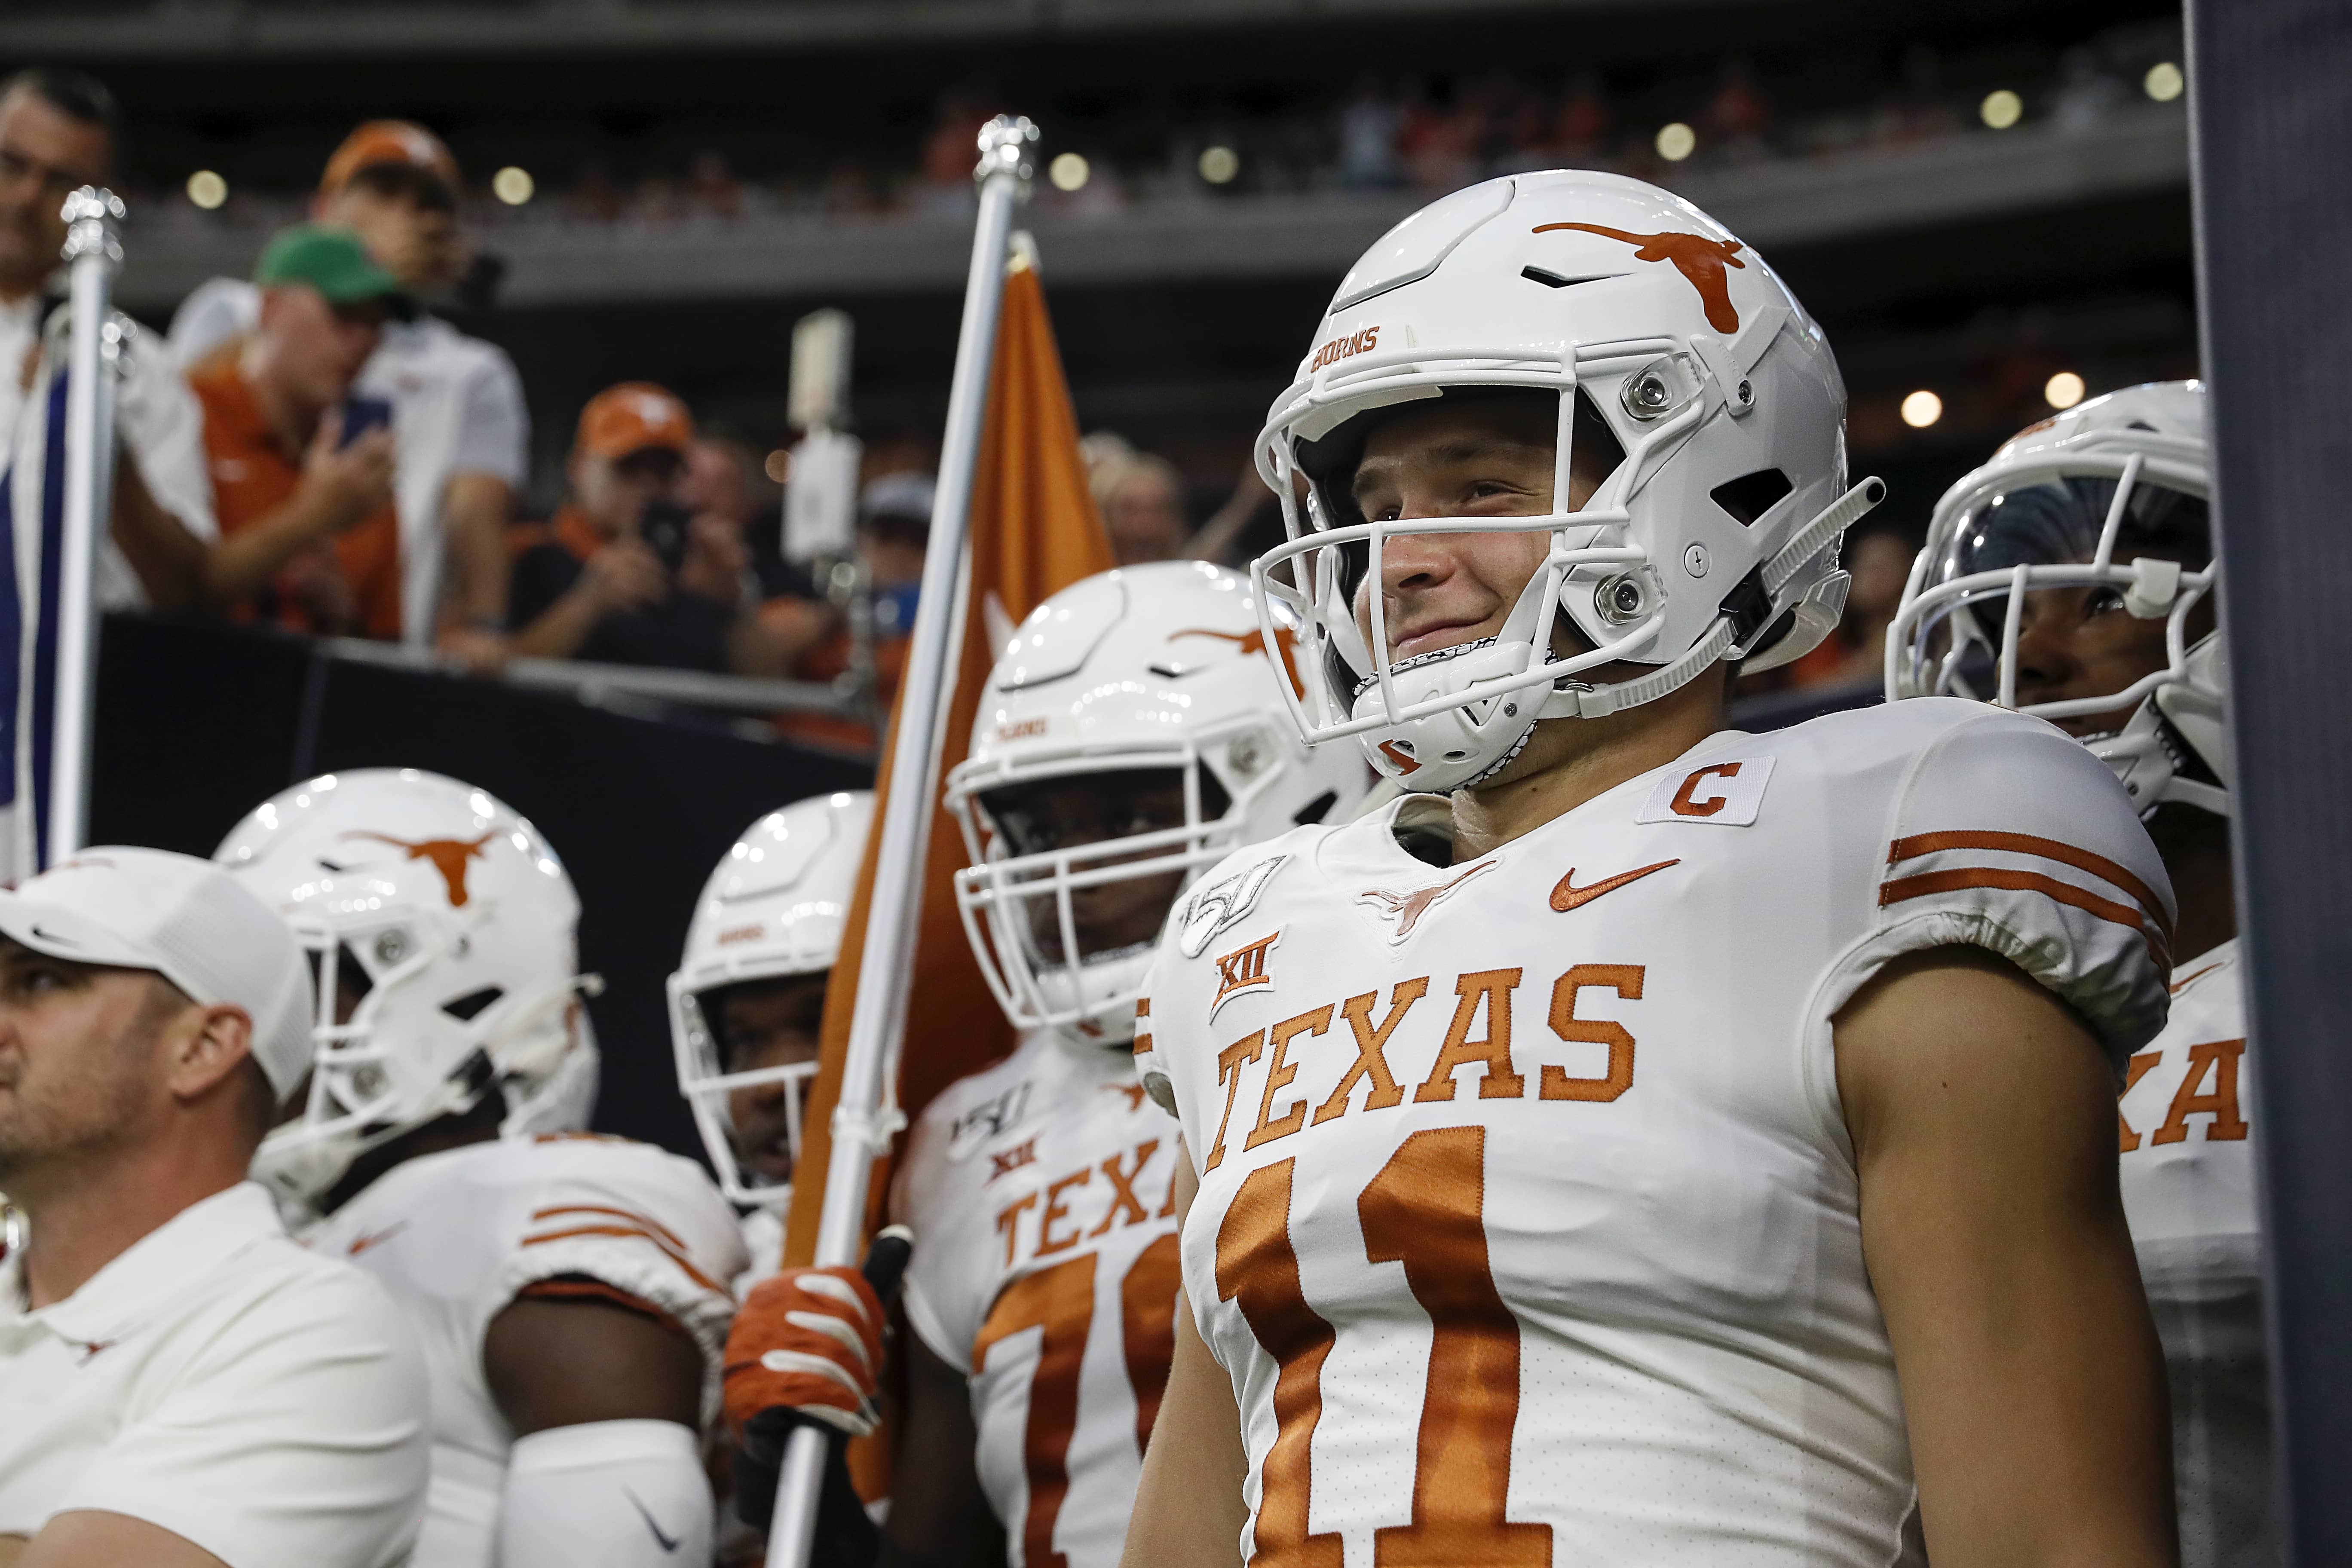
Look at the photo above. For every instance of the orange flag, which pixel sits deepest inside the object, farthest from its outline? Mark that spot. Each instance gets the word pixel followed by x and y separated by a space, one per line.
pixel 1033 533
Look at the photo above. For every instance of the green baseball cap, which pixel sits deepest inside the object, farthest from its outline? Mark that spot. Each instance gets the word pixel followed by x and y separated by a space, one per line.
pixel 332 261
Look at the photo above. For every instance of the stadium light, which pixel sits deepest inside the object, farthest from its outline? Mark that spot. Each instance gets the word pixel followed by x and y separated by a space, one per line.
pixel 207 189
pixel 1676 141
pixel 2063 390
pixel 2001 109
pixel 1068 171
pixel 1922 408
pixel 1220 165
pixel 512 185
pixel 2163 81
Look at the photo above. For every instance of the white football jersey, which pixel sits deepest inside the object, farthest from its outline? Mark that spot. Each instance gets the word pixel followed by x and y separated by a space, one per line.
pixel 455 1236
pixel 1583 1091
pixel 1044 1269
pixel 2186 1136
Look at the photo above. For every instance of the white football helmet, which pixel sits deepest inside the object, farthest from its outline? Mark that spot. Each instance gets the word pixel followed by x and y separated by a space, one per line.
pixel 1165 667
pixel 456 922
pixel 1716 535
pixel 776 907
pixel 2080 501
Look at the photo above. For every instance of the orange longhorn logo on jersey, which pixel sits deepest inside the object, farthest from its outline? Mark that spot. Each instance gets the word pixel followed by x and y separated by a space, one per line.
pixel 1286 646
pixel 1698 258
pixel 450 857
pixel 1406 909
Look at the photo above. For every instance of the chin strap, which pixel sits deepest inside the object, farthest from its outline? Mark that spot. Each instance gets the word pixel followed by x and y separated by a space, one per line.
pixel 1578 700
pixel 1835 519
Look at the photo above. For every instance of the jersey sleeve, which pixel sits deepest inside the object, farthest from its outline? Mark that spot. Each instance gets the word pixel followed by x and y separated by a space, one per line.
pixel 323 1389
pixel 493 423
pixel 942 1274
pixel 2007 835
pixel 628 1223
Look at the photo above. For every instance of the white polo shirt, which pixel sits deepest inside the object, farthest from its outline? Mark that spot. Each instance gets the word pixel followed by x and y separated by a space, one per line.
pixel 219 1380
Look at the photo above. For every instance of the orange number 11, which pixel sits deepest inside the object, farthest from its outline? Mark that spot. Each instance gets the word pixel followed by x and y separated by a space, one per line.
pixel 1424 1210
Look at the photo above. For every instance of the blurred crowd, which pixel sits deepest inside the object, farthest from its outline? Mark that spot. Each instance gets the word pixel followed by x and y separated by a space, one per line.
pixel 362 466
pixel 1426 134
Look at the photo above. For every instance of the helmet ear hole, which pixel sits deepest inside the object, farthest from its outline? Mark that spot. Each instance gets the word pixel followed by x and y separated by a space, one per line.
pixel 474 1004
pixel 1750 496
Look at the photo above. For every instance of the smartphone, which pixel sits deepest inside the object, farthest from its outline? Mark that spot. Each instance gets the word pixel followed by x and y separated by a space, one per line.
pixel 662 525
pixel 361 415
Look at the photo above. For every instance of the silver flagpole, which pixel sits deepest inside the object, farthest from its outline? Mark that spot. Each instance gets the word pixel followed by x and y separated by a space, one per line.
pixel 92 254
pixel 866 1115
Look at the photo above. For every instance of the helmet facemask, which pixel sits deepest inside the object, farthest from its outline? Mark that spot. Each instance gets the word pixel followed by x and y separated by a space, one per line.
pixel 746 1113
pixel 373 984
pixel 1456 716
pixel 2070 536
pixel 1075 859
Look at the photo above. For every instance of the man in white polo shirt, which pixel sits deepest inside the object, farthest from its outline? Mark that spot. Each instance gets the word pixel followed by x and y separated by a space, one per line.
pixel 180 1384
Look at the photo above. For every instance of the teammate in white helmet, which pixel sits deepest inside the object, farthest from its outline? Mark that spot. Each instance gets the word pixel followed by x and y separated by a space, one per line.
pixel 571 1291
pixel 747 1002
pixel 1656 1144
pixel 1131 735
pixel 2099 516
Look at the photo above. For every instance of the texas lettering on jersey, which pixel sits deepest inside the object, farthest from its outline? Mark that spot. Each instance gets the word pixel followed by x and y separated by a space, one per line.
pixel 1528 1171
pixel 2186 1129
pixel 1043 1189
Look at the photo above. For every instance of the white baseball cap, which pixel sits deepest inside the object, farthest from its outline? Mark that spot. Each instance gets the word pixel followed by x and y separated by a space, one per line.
pixel 187 920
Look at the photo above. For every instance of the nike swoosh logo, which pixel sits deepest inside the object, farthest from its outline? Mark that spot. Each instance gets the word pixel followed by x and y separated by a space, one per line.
pixel 667 1542
pixel 1567 896
pixel 360 1243
pixel 2177 986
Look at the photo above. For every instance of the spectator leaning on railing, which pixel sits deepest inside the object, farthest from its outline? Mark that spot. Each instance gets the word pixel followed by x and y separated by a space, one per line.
pixel 627 572
pixel 302 471
pixel 180 1384
pixel 56 134
pixel 458 403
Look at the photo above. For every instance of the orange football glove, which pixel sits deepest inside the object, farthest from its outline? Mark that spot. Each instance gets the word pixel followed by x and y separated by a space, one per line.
pixel 810 1340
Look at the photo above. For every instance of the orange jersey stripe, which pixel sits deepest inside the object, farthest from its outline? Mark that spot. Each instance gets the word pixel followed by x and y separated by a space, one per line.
pixel 1930 882
pixel 697 1275
pixel 634 1218
pixel 1142 1043
pixel 2098 866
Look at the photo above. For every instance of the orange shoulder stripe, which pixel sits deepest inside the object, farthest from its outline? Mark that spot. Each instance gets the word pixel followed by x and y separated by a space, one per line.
pixel 634 1218
pixel 685 1264
pixel 2065 854
pixel 2159 942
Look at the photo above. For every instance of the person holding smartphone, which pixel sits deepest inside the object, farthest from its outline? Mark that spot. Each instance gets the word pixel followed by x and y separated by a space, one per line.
pixel 627 572
pixel 303 471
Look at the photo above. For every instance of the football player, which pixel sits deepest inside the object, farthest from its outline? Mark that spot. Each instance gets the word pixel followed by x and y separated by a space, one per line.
pixel 1132 734
pixel 2094 526
pixel 1654 1142
pixel 747 1004
pixel 571 1291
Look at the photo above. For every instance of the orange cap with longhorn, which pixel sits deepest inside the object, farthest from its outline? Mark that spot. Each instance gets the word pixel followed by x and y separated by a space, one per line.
pixel 388 141
pixel 635 417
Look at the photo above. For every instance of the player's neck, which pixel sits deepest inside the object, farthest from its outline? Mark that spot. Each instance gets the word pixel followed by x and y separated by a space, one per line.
pixel 478 1125
pixel 90 1216
pixel 2196 850
pixel 1567 761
